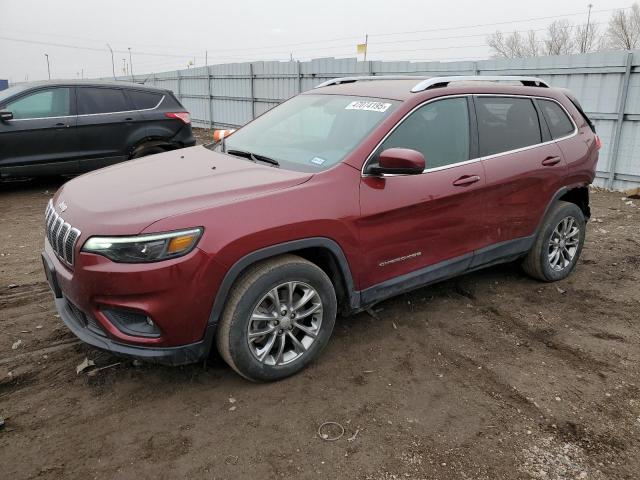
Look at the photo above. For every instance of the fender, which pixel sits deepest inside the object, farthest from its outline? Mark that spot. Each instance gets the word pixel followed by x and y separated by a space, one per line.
pixel 552 202
pixel 267 252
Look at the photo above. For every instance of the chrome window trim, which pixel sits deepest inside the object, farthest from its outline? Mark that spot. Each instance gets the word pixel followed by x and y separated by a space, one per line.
pixel 472 160
pixel 90 114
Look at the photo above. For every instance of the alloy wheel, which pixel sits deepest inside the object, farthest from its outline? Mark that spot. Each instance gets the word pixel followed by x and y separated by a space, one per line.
pixel 285 323
pixel 563 244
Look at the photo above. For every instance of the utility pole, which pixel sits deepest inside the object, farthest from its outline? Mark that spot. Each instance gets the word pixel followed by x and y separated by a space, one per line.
pixel 124 66
pixel 131 66
pixel 48 68
pixel 82 73
pixel 206 58
pixel 113 65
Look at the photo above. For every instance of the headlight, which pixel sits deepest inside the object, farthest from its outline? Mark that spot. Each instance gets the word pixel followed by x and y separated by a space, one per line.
pixel 144 248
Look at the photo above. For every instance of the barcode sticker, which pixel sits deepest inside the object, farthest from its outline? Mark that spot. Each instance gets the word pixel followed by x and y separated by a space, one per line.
pixel 369 106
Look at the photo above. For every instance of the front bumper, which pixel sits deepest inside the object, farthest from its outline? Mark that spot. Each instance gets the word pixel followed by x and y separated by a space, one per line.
pixel 176 294
pixel 87 331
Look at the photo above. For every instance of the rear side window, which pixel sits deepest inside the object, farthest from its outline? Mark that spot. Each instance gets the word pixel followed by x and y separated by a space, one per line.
pixel 439 130
pixel 101 100
pixel 506 123
pixel 559 124
pixel 144 100
pixel 53 102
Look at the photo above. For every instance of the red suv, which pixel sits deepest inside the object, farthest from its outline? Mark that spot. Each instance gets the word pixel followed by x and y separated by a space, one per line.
pixel 345 195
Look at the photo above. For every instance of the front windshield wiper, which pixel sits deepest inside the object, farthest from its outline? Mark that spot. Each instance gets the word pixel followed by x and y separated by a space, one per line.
pixel 254 157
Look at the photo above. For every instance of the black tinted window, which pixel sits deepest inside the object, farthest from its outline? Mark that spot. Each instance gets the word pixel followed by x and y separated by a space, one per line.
pixel 506 123
pixel 557 119
pixel 144 100
pixel 439 130
pixel 53 102
pixel 101 100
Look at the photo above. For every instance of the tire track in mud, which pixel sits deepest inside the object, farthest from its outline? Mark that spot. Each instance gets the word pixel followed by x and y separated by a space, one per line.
pixel 544 336
pixel 24 295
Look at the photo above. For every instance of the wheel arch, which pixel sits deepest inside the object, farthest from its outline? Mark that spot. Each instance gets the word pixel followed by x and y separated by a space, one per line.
pixel 578 196
pixel 148 143
pixel 322 251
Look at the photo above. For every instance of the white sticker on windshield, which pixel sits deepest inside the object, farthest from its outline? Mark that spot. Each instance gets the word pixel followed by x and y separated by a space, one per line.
pixel 370 106
pixel 318 160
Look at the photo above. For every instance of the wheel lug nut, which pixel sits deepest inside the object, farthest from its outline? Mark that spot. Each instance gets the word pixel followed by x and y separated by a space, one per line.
pixel 280 331
pixel 293 315
pixel 276 322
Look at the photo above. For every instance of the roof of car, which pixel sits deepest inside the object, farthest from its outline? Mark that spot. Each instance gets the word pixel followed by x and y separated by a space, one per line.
pixel 91 83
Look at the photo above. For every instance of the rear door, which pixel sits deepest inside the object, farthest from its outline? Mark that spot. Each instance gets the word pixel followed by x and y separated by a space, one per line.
pixel 411 222
pixel 107 120
pixel 524 167
pixel 41 138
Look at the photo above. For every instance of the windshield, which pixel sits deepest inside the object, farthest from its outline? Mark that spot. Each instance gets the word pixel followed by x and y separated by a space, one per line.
pixel 310 133
pixel 4 94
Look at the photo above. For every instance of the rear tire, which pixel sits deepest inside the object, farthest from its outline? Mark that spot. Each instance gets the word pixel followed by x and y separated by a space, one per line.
pixel 558 245
pixel 279 316
pixel 144 151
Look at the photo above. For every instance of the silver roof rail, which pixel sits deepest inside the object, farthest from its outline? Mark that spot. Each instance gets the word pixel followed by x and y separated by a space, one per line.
pixel 436 82
pixel 338 81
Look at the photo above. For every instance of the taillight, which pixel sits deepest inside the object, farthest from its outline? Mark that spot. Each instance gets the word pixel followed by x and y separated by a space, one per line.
pixel 183 116
pixel 598 143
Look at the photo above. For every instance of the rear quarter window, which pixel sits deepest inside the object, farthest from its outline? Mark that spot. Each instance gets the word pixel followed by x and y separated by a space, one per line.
pixel 506 123
pixel 559 123
pixel 144 100
pixel 101 100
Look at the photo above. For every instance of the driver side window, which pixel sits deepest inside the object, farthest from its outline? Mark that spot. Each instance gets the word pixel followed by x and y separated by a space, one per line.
pixel 439 130
pixel 53 102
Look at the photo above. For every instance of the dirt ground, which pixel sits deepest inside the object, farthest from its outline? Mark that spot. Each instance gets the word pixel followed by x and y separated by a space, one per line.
pixel 489 376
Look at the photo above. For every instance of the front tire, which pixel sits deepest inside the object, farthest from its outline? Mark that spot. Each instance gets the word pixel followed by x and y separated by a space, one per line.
pixel 558 245
pixel 279 316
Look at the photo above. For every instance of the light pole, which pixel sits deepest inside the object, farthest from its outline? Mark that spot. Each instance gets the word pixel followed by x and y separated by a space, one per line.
pixel 131 66
pixel 113 65
pixel 586 35
pixel 48 68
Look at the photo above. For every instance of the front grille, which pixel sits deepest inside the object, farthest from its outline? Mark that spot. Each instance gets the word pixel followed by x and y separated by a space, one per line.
pixel 62 236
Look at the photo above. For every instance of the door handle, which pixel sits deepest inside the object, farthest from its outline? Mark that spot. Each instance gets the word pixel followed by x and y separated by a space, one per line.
pixel 60 125
pixel 128 119
pixel 550 161
pixel 465 180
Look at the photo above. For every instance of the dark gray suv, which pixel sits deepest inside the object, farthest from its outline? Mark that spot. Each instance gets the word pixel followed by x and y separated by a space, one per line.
pixel 70 127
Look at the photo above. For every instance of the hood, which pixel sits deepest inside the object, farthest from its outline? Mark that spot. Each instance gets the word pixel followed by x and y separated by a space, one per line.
pixel 125 198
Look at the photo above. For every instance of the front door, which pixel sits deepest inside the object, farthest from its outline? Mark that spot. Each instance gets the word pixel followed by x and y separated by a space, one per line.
pixel 41 137
pixel 424 227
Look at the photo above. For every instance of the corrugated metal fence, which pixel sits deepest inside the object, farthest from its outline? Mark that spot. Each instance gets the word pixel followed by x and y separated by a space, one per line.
pixel 607 85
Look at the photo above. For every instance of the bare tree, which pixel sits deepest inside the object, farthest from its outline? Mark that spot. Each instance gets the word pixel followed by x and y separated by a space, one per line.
pixel 624 29
pixel 532 45
pixel 559 39
pixel 586 38
pixel 514 45
pixel 497 43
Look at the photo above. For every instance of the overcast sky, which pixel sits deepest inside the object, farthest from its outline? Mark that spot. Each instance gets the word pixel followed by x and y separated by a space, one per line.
pixel 165 35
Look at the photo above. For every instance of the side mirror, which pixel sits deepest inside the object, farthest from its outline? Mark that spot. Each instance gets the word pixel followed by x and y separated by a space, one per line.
pixel 399 161
pixel 5 116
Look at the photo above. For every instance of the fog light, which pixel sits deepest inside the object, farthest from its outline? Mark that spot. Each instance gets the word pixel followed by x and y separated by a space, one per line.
pixel 132 323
